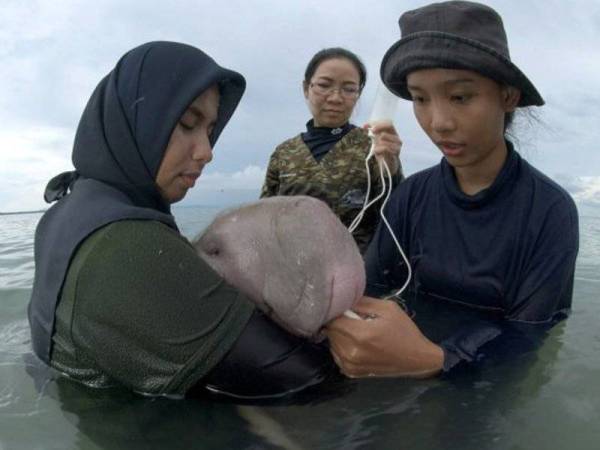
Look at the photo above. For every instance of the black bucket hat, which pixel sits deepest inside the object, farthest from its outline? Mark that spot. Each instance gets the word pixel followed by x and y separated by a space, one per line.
pixel 454 35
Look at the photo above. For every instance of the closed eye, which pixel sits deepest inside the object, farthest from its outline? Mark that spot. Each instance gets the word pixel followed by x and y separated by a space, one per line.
pixel 186 126
pixel 461 98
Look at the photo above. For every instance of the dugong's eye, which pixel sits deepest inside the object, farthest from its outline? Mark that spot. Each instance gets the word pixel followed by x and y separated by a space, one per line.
pixel 208 246
pixel 212 248
pixel 213 251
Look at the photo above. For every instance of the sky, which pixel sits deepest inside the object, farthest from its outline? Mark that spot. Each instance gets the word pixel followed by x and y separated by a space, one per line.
pixel 54 53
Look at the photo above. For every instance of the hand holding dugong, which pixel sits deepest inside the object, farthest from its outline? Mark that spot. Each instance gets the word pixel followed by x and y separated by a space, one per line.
pixel 290 255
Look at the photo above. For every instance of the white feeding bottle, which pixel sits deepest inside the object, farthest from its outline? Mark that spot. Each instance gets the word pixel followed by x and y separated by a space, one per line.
pixel 385 106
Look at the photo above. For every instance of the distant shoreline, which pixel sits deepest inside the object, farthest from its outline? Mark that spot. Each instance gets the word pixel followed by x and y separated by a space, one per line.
pixel 22 212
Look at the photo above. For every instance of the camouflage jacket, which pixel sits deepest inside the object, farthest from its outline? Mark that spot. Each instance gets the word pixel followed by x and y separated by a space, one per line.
pixel 339 179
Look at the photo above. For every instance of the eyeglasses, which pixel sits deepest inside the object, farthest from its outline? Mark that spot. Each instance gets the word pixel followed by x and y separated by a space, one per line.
pixel 325 89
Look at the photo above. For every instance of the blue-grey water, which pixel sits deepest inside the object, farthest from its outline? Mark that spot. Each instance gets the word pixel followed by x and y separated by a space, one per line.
pixel 546 400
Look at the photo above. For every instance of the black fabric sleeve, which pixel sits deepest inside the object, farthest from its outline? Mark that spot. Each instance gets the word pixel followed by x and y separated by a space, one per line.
pixel 546 287
pixel 465 344
pixel 543 296
pixel 490 342
pixel 268 362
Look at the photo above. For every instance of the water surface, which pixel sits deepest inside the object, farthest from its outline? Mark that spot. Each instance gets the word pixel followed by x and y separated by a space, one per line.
pixel 547 399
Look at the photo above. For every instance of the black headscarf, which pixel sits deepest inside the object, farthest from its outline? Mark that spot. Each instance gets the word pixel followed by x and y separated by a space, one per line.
pixel 119 146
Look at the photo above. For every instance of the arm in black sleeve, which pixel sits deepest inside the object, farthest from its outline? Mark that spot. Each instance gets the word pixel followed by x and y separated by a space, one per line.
pixel 543 296
pixel 268 362
pixel 546 287
pixel 491 342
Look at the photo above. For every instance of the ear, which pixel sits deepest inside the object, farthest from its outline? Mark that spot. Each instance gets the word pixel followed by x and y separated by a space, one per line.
pixel 510 97
pixel 305 89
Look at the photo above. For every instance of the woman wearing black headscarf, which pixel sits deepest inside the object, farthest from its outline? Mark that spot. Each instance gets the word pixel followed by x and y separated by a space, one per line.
pixel 119 296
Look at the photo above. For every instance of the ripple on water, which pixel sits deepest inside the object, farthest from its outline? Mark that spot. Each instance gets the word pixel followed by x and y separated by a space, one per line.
pixel 16 249
pixel 8 396
pixel 15 340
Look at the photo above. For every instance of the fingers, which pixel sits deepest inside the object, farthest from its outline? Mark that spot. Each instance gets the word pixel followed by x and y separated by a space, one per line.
pixel 387 145
pixel 367 308
pixel 345 326
pixel 389 142
pixel 355 332
pixel 388 345
pixel 374 306
pixel 357 360
pixel 346 355
pixel 385 134
pixel 380 125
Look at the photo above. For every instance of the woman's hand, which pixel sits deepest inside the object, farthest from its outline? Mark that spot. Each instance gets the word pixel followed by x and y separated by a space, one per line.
pixel 387 143
pixel 386 343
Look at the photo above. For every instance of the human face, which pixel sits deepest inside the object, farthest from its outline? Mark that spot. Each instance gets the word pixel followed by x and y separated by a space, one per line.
pixel 189 148
pixel 333 109
pixel 463 113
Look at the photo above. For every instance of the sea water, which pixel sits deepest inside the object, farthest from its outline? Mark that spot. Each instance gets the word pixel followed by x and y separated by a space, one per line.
pixel 549 399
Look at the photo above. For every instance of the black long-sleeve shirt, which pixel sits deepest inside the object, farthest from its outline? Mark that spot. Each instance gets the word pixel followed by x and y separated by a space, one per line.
pixel 509 251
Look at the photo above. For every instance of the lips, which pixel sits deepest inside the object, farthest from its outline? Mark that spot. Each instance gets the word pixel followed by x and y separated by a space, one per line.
pixel 190 178
pixel 450 148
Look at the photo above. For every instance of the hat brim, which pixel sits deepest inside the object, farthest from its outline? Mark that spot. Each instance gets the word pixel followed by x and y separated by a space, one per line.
pixel 433 49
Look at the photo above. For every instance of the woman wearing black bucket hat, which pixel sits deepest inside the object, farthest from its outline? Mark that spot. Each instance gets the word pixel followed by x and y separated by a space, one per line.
pixel 484 231
pixel 119 296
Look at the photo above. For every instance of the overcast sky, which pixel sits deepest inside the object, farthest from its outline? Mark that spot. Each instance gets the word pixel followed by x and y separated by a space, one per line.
pixel 54 53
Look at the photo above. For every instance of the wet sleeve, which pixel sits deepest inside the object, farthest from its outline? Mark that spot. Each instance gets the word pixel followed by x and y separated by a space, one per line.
pixel 543 296
pixel 546 288
pixel 150 313
pixel 268 362
pixel 489 342
pixel 271 185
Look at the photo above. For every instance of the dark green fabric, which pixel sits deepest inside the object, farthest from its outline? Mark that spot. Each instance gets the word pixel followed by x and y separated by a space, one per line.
pixel 141 309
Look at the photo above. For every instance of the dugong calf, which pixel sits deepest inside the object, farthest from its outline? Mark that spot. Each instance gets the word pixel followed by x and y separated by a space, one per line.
pixel 290 255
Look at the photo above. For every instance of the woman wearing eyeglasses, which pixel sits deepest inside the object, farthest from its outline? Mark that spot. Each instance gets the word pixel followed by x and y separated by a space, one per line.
pixel 327 161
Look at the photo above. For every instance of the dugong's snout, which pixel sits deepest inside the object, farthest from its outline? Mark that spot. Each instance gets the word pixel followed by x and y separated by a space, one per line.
pixel 348 286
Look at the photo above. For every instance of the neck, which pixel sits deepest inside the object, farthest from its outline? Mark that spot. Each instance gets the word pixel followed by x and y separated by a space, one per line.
pixel 475 178
pixel 320 125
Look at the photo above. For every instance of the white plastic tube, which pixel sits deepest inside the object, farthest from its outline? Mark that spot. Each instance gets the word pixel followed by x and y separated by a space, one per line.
pixel 384 110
